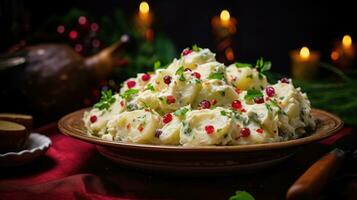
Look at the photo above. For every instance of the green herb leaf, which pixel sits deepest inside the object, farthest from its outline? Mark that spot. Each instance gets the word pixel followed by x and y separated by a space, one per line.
pixel 242 65
pixel 263 66
pixel 181 112
pixel 195 48
pixel 252 94
pixel 182 77
pixel 157 65
pixel 217 75
pixel 180 70
pixel 129 93
pixel 106 100
pixel 224 113
pixel 150 87
pixel 242 195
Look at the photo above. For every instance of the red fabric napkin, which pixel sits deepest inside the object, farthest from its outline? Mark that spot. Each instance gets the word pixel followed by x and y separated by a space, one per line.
pixel 72 169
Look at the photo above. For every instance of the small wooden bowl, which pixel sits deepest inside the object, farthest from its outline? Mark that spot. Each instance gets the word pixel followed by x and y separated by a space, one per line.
pixel 12 136
pixel 202 159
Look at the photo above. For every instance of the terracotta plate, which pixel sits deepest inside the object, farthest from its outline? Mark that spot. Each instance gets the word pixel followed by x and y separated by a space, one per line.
pixel 199 160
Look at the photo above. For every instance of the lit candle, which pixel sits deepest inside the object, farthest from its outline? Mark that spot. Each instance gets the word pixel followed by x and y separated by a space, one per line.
pixel 343 53
pixel 144 20
pixel 224 28
pixel 304 63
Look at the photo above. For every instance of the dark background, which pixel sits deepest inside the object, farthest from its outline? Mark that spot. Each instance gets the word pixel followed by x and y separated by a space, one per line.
pixel 265 28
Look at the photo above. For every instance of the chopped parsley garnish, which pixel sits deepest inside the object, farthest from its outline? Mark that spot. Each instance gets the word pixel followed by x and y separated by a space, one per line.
pixel 106 100
pixel 150 87
pixel 281 98
pixel 180 70
pixel 129 93
pixel 241 195
pixel 262 66
pixel 224 113
pixel 252 94
pixel 268 107
pixel 181 112
pixel 157 65
pixel 216 75
pixel 223 93
pixel 250 76
pixel 182 77
pixel 195 48
pixel 242 65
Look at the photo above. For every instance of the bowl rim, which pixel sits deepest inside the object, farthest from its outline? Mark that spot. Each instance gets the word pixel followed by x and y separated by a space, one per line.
pixel 65 127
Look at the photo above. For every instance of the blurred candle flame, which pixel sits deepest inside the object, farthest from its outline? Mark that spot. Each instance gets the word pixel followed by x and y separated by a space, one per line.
pixel 304 52
pixel 346 41
pixel 225 16
pixel 144 7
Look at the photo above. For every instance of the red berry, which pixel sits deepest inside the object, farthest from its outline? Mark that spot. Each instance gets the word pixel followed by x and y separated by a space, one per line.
pixel 186 52
pixel 270 91
pixel 259 100
pixel 197 75
pixel 236 104
pixel 188 69
pixel 205 104
pixel 140 128
pixel 131 84
pixel 214 101
pixel 259 130
pixel 245 132
pixel 170 99
pixel 167 79
pixel 122 103
pixel 238 91
pixel 93 118
pixel 145 77
pixel 243 110
pixel 285 80
pixel 209 129
pixel 167 118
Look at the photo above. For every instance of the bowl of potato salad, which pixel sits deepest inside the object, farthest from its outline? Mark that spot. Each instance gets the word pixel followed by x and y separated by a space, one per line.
pixel 198 115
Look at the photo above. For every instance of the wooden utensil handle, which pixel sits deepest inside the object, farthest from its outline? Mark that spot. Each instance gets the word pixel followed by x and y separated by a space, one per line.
pixel 309 185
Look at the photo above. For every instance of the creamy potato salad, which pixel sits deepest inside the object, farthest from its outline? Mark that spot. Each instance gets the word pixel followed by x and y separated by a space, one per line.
pixel 197 101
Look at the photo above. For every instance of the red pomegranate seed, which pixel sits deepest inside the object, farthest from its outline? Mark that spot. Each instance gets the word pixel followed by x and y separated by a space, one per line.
pixel 170 99
pixel 236 104
pixel 93 118
pixel 209 129
pixel 214 101
pixel 167 79
pixel 128 126
pixel 186 52
pixel 188 69
pixel 167 118
pixel 243 110
pixel 145 77
pixel 270 91
pixel 238 91
pixel 197 75
pixel 285 80
pixel 259 130
pixel 205 104
pixel 140 128
pixel 122 103
pixel 245 132
pixel 259 100
pixel 131 84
